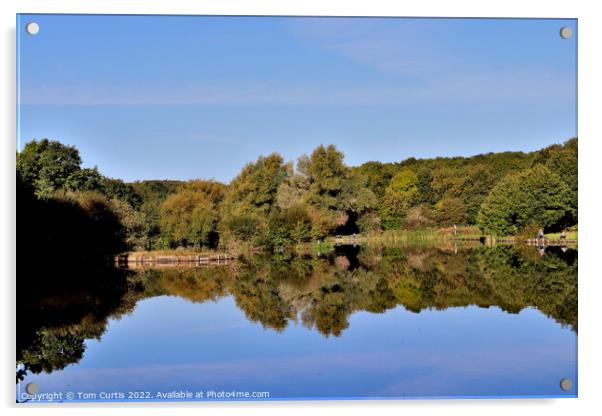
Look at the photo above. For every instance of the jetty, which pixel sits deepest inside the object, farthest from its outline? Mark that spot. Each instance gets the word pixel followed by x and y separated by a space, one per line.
pixel 134 260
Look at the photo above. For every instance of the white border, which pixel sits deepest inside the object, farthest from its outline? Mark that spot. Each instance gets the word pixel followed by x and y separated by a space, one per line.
pixel 590 276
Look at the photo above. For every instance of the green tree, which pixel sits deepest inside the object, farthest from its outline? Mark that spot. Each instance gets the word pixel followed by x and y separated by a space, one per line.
pixel 88 179
pixel 152 194
pixel 47 165
pixel 336 194
pixel 116 188
pixel 357 198
pixel 534 196
pixel 563 160
pixel 424 185
pixel 251 196
pixel 326 174
pixel 378 176
pixel 291 225
pixel 478 180
pixel 401 194
pixel 254 190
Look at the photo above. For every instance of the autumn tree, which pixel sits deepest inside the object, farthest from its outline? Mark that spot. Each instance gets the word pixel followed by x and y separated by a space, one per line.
pixel 131 232
pixel 420 216
pixel 451 210
pixel 215 191
pixel 189 218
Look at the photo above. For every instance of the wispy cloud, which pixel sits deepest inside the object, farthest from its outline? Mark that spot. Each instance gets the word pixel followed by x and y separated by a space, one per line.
pixel 480 88
pixel 397 46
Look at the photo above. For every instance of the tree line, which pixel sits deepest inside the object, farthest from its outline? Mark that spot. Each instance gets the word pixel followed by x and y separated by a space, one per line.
pixel 273 203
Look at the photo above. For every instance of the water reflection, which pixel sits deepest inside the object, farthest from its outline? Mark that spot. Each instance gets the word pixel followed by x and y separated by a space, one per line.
pixel 320 293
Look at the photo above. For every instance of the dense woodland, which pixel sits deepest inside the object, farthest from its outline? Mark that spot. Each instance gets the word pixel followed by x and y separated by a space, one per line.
pixel 273 203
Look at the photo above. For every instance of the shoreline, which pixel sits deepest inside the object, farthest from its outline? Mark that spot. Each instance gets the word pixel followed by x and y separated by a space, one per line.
pixel 175 256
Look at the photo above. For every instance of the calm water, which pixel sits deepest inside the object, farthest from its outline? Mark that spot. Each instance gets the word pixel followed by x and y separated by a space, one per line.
pixel 376 322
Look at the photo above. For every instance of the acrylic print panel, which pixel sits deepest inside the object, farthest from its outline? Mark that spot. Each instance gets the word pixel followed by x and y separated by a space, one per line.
pixel 271 208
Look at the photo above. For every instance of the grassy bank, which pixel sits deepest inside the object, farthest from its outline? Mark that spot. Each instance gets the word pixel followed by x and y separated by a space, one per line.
pixel 427 236
pixel 438 235
pixel 570 235
pixel 407 235
pixel 315 247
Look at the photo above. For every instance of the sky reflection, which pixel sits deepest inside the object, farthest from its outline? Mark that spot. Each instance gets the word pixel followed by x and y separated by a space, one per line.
pixel 169 343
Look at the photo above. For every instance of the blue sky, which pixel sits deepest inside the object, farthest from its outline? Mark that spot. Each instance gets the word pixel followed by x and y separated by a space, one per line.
pixel 182 97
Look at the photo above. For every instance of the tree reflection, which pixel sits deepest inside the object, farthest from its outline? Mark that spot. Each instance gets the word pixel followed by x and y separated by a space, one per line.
pixel 321 293
pixel 54 320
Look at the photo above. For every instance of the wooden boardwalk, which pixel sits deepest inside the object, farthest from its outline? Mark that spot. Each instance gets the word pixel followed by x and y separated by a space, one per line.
pixel 133 260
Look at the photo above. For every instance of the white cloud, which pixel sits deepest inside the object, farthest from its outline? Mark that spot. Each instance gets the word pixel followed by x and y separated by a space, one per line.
pixel 477 89
pixel 397 46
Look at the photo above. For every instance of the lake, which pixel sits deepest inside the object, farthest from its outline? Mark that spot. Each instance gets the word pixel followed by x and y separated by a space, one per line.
pixel 356 323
